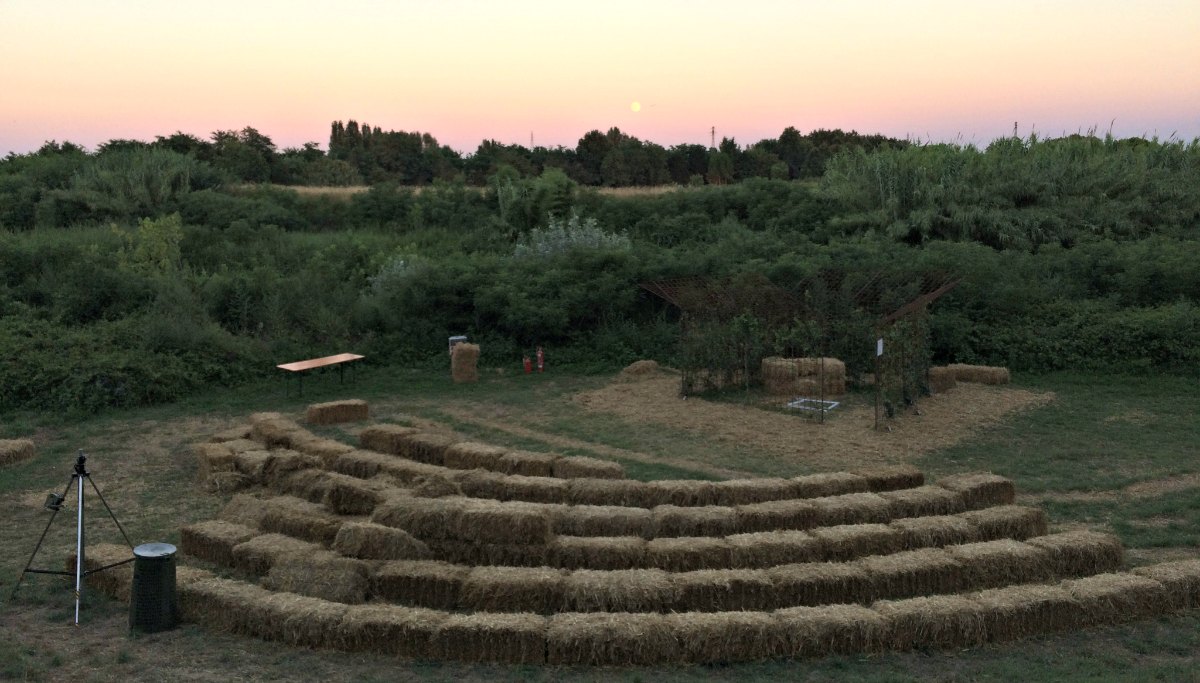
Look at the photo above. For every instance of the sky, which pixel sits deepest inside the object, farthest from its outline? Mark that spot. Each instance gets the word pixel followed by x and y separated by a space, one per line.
pixel 464 71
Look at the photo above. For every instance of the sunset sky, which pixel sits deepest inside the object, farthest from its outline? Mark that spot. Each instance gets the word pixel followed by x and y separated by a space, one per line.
pixel 89 71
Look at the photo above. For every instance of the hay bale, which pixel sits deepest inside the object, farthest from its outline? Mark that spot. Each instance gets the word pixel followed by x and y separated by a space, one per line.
pixel 779 375
pixel 425 447
pixel 846 542
pixel 214 540
pixel 391 630
pixel 328 450
pixel 489 554
pixel 689 554
pixel 681 492
pixel 337 579
pixel 913 572
pixel 610 640
pixel 672 520
pixel 434 486
pixel 348 495
pixel 726 637
pixel 981 490
pixel 941 379
pixel 527 463
pixel 981 374
pixel 1081 553
pixel 468 455
pixel 1007 521
pixel 477 484
pixel 622 590
pixel 227 482
pixel 238 433
pixel 210 457
pixel 312 622
pixel 368 541
pixel 299 518
pixel 464 358
pixel 221 604
pixel 336 412
pixel 1117 598
pixel 938 621
pixel 423 583
pixel 613 552
pixel 747 491
pixel 311 485
pixel 852 508
pixel 820 583
pixel 486 521
pixel 513 589
pixel 494 638
pixel 284 463
pixel 539 489
pixel 1019 611
pixel 243 445
pixel 776 515
pixel 771 548
pixel 923 500
pixel 245 510
pixel 253 464
pixel 891 477
pixel 640 368
pixel 624 492
pixel 933 532
pixel 991 564
pixel 829 484
pixel 1181 579
pixel 361 464
pixel 580 467
pixel 811 632
pixel 603 520
pixel 115 582
pixel 721 590
pixel 257 555
pixel 384 438
pixel 275 431
pixel 424 518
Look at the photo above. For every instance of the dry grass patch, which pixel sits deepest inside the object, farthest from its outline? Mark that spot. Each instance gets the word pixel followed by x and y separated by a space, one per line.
pixel 770 548
pixel 1081 553
pixel 614 552
pixel 610 640
pixel 513 589
pixel 820 583
pixel 214 540
pixel 671 521
pixel 368 541
pixel 721 590
pixel 841 543
pixel 689 554
pixel 495 638
pixel 1181 579
pixel 991 564
pixel 424 583
pixel 629 590
pixel 1008 521
pixel 810 632
pixel 939 621
pixel 337 412
pixel 726 637
pixel 775 515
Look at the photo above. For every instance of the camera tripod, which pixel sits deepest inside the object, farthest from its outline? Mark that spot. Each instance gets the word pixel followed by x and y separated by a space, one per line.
pixel 55 503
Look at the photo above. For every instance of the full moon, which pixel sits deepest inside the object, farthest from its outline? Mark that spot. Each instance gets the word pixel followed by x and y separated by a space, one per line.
pixel 636 106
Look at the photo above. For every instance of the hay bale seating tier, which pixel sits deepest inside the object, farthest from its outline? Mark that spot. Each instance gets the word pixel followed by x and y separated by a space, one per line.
pixel 336 412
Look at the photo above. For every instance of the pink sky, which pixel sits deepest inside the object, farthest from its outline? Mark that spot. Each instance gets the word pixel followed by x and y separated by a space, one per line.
pixel 89 71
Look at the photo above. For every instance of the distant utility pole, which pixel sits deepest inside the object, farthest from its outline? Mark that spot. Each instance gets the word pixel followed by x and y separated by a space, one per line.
pixel 530 139
pixel 712 139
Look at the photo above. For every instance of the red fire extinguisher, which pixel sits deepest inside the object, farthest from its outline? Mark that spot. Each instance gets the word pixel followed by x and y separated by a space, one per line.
pixel 528 365
pixel 541 358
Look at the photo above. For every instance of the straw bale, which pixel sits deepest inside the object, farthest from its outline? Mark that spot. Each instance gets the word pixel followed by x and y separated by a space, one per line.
pixel 711 520
pixel 581 467
pixel 385 438
pixel 923 500
pixel 214 540
pixel 1116 598
pixel 425 447
pixel 721 590
pixel 640 368
pixel 311 485
pixel 610 640
pixel 489 554
pixel 1081 553
pixel 185 574
pixel 253 464
pixel 1007 521
pixel 539 489
pixel 726 637
pixel 468 455
pixel 747 491
pixel 479 483
pixel 810 632
pixel 527 463
pixel 982 374
pixel 934 531
pixel 626 492
pixel 299 518
pixel 232 434
pixel 435 486
pixel 512 589
pixel 991 564
pixel 820 583
pixel 611 552
pixel 464 358
pixel 283 463
pixel 621 590
pixel 257 555
pixel 1014 612
pixel 222 604
pixel 361 464
pixel 337 579
pixel 981 490
pixel 852 508
pixel 603 520
pixel 243 445
pixel 227 482
pixel 941 380
pixel 328 450
pixel 681 492
pixel 848 541
pixel 312 622
pixel 115 582
pixel 770 548
pixel 348 495
pixel 424 583
pixel 391 630
pixel 274 430
pixel 689 554
pixel 914 572
pixel 891 477
pixel 368 541
pixel 1180 578
pixel 495 638
pixel 487 521
pixel 336 412
pixel 776 515
pixel 210 457
pixel 425 518
pixel 244 509
pixel 936 621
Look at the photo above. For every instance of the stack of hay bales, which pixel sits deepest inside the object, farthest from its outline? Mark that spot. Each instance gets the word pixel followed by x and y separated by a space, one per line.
pixel 463 361
pixel 336 412
pixel 803 376
pixel 15 450
pixel 941 380
pixel 980 374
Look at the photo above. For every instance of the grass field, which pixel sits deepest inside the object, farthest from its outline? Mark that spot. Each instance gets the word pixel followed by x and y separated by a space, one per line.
pixel 1110 453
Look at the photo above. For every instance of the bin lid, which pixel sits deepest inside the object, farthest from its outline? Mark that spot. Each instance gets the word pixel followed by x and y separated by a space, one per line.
pixel 154 550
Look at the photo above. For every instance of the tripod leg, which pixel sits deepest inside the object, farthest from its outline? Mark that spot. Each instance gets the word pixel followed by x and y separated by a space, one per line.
pixel 110 512
pixel 79 552
pixel 38 547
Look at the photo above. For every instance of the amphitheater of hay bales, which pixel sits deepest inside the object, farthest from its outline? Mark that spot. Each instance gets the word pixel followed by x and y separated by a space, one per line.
pixel 417 545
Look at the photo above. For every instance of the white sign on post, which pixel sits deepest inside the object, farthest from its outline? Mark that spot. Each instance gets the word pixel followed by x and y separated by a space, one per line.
pixel 879 346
